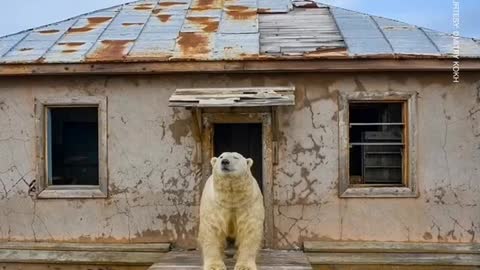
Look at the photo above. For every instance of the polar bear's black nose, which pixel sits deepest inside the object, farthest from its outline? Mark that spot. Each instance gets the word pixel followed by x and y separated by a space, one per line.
pixel 225 161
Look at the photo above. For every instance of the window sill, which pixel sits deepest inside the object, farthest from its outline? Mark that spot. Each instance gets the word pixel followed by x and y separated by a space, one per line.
pixel 72 192
pixel 379 192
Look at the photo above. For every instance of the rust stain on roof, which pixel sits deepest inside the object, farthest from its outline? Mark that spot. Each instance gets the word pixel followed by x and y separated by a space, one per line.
pixel 164 17
pixel 145 6
pixel 130 24
pixel 111 49
pixel 69 51
pixel 206 4
pixel 51 31
pixel 208 24
pixel 168 4
pixel 192 43
pixel 264 10
pixel 240 12
pixel 93 22
pixel 71 44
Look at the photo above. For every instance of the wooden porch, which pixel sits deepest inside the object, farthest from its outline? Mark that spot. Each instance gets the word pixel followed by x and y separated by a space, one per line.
pixel 320 255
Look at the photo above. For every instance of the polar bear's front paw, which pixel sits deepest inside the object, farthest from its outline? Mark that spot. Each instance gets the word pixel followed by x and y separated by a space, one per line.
pixel 215 266
pixel 245 267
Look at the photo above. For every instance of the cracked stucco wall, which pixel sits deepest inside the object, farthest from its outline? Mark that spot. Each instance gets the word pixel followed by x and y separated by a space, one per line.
pixel 154 186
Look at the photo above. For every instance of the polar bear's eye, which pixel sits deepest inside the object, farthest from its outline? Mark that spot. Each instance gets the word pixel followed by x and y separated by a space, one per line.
pixel 221 156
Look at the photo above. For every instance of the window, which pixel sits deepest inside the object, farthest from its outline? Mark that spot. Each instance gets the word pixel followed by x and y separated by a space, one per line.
pixel 377 145
pixel 71 147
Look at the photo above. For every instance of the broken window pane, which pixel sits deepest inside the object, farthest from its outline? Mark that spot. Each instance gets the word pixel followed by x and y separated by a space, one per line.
pixel 73 146
pixel 376 143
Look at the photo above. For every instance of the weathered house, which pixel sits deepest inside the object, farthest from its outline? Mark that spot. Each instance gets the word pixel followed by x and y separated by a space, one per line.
pixel 366 140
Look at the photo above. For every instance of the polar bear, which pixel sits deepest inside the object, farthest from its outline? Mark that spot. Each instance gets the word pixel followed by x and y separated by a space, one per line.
pixel 231 206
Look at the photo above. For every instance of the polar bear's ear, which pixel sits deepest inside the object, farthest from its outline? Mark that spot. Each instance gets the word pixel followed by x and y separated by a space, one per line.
pixel 213 161
pixel 249 162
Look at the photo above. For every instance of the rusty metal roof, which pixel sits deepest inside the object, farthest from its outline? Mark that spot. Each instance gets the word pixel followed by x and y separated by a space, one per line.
pixel 177 30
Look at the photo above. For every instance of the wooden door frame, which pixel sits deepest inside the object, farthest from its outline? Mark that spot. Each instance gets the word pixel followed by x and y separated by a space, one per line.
pixel 264 118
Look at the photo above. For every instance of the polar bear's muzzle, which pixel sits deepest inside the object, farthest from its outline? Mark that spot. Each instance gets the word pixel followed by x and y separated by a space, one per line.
pixel 225 165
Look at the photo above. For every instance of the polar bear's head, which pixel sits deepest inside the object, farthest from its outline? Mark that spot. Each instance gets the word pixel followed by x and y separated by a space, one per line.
pixel 231 164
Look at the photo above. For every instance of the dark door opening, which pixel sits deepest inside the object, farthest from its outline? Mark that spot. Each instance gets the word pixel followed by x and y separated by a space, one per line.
pixel 245 139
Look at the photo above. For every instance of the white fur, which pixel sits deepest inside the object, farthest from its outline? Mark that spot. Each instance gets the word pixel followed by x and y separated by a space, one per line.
pixel 231 206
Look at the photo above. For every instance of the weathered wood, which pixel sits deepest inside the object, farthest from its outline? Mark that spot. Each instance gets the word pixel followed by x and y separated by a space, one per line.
pixel 81 253
pixel 389 247
pixel 50 266
pixel 103 247
pixel 392 267
pixel 395 258
pixel 267 260
pixel 228 97
pixel 329 64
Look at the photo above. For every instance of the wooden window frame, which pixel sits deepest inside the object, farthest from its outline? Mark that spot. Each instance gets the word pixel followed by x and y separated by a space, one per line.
pixel 244 115
pixel 409 187
pixel 46 191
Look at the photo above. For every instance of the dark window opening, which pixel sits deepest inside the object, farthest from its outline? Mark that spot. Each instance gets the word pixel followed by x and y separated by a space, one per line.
pixel 376 143
pixel 245 139
pixel 73 146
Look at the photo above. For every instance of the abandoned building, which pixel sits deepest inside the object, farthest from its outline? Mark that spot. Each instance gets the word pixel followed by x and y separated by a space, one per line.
pixel 364 135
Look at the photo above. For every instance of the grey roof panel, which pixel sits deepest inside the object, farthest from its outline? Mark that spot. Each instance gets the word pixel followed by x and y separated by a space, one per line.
pixel 164 30
pixel 444 42
pixel 361 33
pixel 274 6
pixel 405 38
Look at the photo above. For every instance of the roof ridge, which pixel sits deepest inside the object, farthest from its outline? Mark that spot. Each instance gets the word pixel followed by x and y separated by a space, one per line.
pixel 71 18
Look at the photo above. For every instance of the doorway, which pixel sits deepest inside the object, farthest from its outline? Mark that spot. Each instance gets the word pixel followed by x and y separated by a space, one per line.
pixel 250 134
pixel 243 138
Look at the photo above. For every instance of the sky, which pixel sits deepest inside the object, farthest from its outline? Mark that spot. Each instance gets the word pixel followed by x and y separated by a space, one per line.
pixel 16 16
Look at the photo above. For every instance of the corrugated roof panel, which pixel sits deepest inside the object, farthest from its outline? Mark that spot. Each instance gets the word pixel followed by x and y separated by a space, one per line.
pixel 299 32
pixel 67 52
pixel 274 6
pixel 110 50
pixel 239 16
pixel 8 42
pixel 236 46
pixel 405 38
pixel 194 45
pixel 360 33
pixel 36 43
pixel 202 21
pixel 444 42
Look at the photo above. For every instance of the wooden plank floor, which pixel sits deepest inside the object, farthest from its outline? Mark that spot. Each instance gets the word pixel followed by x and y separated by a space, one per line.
pixel 267 260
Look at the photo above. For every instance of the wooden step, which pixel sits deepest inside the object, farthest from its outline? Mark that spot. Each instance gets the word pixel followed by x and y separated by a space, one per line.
pixel 267 260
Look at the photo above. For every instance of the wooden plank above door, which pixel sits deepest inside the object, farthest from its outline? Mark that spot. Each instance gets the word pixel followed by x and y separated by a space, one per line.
pixel 233 97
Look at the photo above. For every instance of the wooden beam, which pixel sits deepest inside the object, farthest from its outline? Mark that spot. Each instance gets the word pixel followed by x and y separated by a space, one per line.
pixel 389 247
pixel 266 260
pixel 80 253
pixel 394 259
pixel 391 253
pixel 325 65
